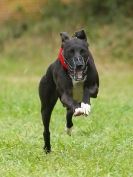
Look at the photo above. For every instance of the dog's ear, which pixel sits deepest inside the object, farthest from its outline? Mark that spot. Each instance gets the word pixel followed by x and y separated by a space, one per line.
pixel 81 35
pixel 64 37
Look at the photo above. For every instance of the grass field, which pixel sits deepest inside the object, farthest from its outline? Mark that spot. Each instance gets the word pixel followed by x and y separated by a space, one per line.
pixel 101 145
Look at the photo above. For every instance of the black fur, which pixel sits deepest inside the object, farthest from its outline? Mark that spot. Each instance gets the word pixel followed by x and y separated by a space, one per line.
pixel 57 83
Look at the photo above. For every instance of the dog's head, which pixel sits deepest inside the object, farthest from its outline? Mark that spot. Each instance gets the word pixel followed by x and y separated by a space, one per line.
pixel 76 54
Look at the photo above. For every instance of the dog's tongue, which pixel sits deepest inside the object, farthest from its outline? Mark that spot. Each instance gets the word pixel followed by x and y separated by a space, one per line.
pixel 79 74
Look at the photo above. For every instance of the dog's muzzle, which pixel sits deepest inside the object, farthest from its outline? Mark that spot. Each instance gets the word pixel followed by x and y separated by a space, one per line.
pixel 78 70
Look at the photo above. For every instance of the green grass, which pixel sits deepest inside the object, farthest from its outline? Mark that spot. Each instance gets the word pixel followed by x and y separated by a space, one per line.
pixel 100 146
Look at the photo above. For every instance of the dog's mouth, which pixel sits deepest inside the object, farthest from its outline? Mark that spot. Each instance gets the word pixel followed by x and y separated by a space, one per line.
pixel 77 72
pixel 78 75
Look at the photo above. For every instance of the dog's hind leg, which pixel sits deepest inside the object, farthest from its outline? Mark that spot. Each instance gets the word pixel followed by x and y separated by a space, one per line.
pixel 48 99
pixel 69 123
pixel 46 111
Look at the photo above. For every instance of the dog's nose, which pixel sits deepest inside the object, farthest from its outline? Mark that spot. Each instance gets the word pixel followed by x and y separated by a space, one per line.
pixel 78 63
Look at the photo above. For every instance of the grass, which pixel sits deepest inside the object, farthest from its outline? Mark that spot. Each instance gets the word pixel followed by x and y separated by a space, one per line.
pixel 100 146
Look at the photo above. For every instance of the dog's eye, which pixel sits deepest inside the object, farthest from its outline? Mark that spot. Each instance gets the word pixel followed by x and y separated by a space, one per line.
pixel 82 51
pixel 71 51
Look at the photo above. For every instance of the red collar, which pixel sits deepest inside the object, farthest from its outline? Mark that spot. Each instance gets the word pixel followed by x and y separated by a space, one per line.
pixel 61 59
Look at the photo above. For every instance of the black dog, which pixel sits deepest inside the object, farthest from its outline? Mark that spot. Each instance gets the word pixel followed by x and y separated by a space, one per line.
pixel 73 78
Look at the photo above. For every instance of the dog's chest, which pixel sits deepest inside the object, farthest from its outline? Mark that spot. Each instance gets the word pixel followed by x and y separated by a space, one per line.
pixel 78 91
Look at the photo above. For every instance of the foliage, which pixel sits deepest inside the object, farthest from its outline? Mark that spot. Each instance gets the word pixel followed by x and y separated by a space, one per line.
pixel 108 9
pixel 108 25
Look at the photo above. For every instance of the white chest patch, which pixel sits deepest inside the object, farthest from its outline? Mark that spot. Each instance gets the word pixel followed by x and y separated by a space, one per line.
pixel 78 90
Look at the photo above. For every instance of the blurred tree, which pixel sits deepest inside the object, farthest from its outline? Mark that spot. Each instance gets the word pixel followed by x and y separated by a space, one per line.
pixel 107 7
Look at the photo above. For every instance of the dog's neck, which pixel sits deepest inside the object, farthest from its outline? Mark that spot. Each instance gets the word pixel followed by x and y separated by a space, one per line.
pixel 61 59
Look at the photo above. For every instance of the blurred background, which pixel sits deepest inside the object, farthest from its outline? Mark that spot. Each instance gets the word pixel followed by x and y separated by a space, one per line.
pixel 29 31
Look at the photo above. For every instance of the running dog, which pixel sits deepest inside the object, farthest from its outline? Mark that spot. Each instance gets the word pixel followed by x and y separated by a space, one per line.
pixel 73 78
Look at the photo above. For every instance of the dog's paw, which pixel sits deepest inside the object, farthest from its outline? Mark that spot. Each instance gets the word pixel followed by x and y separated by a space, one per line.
pixel 47 149
pixel 86 108
pixel 68 131
pixel 78 111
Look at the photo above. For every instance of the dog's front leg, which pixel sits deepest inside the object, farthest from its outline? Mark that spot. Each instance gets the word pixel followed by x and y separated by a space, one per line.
pixel 69 123
pixel 72 106
pixel 64 88
pixel 85 104
pixel 67 101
